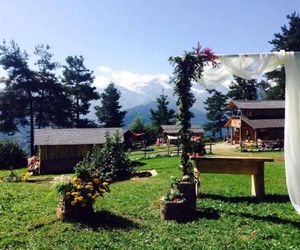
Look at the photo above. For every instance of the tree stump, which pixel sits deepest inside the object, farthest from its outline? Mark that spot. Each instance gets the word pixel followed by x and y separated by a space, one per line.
pixel 172 210
pixel 188 191
pixel 74 213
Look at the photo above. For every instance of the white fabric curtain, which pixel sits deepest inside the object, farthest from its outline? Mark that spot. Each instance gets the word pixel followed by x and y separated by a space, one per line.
pixel 250 67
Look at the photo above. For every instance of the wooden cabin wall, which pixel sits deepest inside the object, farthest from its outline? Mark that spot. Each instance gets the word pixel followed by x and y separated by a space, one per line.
pixel 264 114
pixel 61 159
pixel 248 133
pixel 54 152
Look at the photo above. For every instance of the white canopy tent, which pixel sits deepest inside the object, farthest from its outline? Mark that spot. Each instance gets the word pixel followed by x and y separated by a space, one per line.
pixel 250 66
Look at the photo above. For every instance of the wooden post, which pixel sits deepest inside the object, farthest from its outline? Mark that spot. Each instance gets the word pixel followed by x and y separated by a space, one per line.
pixel 197 178
pixel 257 182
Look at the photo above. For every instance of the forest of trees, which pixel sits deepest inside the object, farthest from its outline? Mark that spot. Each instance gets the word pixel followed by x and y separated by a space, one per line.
pixel 35 96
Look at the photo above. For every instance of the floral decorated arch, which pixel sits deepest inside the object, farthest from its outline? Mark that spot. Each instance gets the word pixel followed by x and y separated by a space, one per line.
pixel 250 66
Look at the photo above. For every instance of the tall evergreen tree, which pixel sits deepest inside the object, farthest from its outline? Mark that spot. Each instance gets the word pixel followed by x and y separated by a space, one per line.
pixel 78 81
pixel 242 89
pixel 137 126
pixel 109 112
pixel 20 84
pixel 51 103
pixel 288 40
pixel 216 107
pixel 162 115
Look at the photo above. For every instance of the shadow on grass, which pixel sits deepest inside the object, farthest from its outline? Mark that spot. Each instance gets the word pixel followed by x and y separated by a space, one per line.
pixel 207 214
pixel 137 164
pixel 270 198
pixel 107 220
pixel 268 218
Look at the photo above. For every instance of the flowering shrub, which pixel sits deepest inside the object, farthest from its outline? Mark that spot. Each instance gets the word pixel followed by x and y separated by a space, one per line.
pixel 81 192
pixel 110 159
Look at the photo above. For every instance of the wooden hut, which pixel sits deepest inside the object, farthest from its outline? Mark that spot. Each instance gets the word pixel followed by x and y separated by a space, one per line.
pixel 173 131
pixel 257 120
pixel 59 150
pixel 169 134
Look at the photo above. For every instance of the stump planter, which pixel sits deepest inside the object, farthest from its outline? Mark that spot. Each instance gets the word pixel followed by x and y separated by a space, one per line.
pixel 75 213
pixel 67 212
pixel 172 210
pixel 188 190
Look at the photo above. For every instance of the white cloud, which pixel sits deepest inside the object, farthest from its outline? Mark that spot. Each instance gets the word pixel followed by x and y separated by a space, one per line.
pixel 102 81
pixel 127 79
pixel 197 90
pixel 104 69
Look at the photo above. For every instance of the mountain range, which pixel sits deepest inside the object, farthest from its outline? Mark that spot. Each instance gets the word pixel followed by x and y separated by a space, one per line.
pixel 139 101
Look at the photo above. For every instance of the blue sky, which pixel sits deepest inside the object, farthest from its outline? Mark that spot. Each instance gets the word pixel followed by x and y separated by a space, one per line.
pixel 131 40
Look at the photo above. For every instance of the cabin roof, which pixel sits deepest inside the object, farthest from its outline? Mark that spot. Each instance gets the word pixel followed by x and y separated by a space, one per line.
pixel 174 129
pixel 264 123
pixel 73 136
pixel 270 104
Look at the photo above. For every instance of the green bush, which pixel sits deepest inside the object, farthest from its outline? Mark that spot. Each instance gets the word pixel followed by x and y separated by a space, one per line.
pixel 110 159
pixel 11 155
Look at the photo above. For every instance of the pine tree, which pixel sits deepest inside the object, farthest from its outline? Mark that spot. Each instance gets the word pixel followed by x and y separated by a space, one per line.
pixel 288 40
pixel 109 112
pixel 216 108
pixel 242 89
pixel 162 116
pixel 51 103
pixel 137 126
pixel 20 84
pixel 78 81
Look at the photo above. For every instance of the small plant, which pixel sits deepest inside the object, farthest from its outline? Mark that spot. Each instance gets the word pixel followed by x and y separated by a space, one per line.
pixel 174 194
pixel 26 176
pixel 12 177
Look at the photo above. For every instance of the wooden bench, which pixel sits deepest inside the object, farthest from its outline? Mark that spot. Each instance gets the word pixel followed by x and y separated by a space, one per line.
pixel 253 166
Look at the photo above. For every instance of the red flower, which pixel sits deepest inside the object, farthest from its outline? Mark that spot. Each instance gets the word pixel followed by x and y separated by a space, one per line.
pixel 210 55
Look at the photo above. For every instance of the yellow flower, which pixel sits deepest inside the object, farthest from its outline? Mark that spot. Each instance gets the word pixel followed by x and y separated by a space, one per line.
pixel 106 186
pixel 90 187
pixel 74 193
pixel 73 203
pixel 102 190
pixel 96 181
pixel 79 198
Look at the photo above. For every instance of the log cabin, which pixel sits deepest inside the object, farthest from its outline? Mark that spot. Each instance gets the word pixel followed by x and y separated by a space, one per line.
pixel 255 120
pixel 59 150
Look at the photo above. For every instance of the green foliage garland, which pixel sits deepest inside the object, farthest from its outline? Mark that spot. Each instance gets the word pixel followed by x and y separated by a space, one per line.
pixel 188 68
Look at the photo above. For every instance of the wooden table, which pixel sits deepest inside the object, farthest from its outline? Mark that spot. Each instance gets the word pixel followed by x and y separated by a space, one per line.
pixel 253 166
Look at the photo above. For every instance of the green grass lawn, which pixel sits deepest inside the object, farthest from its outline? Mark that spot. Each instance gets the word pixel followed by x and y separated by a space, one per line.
pixel 128 218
